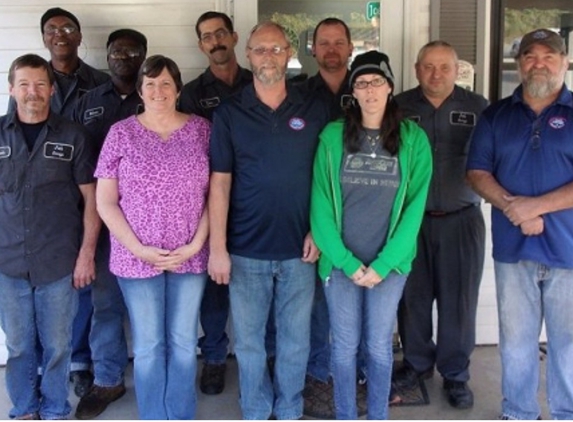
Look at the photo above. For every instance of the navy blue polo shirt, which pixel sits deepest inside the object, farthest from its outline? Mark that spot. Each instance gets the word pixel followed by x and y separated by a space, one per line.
pixel 338 102
pixel 204 94
pixel 270 155
pixel 100 108
pixel 40 201
pixel 528 155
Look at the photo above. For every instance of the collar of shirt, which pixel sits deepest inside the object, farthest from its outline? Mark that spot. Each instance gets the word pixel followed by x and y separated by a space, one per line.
pixel 243 76
pixel 249 97
pixel 317 83
pixel 565 97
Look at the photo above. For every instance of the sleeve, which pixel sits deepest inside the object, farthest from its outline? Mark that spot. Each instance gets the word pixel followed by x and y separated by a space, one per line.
pixel 221 144
pixel 395 253
pixel 480 155
pixel 323 211
pixel 84 157
pixel 111 153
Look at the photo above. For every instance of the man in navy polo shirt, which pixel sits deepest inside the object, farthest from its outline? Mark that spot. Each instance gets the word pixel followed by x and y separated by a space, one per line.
pixel 262 150
pixel 521 161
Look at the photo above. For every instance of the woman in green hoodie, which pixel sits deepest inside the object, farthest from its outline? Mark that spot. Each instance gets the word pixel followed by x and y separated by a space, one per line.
pixel 371 176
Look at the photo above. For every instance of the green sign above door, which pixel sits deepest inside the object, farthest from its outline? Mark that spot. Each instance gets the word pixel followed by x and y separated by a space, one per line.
pixel 372 9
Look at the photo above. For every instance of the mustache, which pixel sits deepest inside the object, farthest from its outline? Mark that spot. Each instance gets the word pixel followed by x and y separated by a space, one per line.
pixel 217 48
pixel 33 98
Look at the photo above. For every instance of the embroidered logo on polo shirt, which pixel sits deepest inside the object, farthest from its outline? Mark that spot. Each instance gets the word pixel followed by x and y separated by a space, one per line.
pixel 297 123
pixel 5 152
pixel 58 151
pixel 557 122
pixel 93 112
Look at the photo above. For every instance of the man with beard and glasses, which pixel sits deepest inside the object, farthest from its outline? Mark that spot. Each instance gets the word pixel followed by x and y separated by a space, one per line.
pixel 262 149
pixel 98 110
pixel 223 78
pixel 521 161
pixel 48 234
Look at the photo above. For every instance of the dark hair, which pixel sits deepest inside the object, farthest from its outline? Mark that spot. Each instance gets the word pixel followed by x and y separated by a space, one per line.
pixel 152 68
pixel 331 21
pixel 58 11
pixel 389 127
pixel 30 60
pixel 131 34
pixel 214 15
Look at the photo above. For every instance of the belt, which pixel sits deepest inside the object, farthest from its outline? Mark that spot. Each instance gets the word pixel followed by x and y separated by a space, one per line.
pixel 445 213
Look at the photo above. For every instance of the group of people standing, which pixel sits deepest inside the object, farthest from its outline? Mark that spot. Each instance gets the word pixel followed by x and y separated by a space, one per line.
pixel 322 211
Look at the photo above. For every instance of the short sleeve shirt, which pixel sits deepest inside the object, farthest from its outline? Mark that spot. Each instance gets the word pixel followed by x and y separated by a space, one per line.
pixel 269 154
pixel 162 189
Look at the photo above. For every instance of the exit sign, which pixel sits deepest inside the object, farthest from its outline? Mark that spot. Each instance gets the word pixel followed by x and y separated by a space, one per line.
pixel 372 9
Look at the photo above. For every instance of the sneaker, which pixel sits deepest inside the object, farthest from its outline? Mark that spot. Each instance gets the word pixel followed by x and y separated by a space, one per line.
pixel 97 399
pixel 405 378
pixel 28 417
pixel 213 378
pixel 459 394
pixel 83 381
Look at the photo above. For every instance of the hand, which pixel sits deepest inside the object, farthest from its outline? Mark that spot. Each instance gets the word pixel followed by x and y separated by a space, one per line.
pixel 533 227
pixel 175 258
pixel 310 252
pixel 520 209
pixel 369 279
pixel 359 273
pixel 84 271
pixel 219 267
pixel 151 254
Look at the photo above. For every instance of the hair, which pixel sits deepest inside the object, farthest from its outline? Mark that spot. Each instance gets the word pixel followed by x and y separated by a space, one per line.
pixel 268 24
pixel 214 15
pixel 30 60
pixel 152 68
pixel 331 21
pixel 433 44
pixel 389 127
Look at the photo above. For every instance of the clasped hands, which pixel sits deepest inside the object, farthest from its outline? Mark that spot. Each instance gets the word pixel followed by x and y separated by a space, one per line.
pixel 522 212
pixel 366 277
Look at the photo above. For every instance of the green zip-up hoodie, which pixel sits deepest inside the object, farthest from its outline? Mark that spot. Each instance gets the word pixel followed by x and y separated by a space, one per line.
pixel 415 160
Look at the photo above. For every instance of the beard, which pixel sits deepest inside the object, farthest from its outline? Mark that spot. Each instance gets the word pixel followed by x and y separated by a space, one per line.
pixel 269 73
pixel 540 83
pixel 332 62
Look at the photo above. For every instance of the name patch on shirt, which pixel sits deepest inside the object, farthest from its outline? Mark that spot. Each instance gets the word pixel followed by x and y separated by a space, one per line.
pixel 297 123
pixel 463 118
pixel 93 112
pixel 5 152
pixel 57 151
pixel 210 102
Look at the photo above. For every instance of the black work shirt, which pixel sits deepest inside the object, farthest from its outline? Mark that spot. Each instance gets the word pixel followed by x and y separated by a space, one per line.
pixel 316 86
pixel 270 155
pixel 84 79
pixel 103 106
pixel 40 202
pixel 204 94
pixel 449 128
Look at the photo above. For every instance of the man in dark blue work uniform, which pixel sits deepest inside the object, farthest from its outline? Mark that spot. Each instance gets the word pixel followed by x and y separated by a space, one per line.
pixel 223 78
pixel 98 110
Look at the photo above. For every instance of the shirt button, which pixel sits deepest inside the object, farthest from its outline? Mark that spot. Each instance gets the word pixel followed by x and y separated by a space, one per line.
pixel 26 209
pixel 27 186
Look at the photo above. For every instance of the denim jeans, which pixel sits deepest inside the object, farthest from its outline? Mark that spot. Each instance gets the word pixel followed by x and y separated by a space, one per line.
pixel 319 359
pixel 81 353
pixel 46 313
pixel 214 316
pixel 527 293
pixel 355 312
pixel 164 315
pixel 289 286
pixel 107 336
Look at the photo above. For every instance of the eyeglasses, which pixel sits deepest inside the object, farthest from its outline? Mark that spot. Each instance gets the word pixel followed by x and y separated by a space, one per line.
pixel 64 30
pixel 374 82
pixel 218 35
pixel 124 53
pixel 261 51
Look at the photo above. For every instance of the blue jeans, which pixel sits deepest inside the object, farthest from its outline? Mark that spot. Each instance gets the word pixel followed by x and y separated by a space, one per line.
pixel 355 312
pixel 46 313
pixel 527 293
pixel 107 336
pixel 164 315
pixel 289 286
pixel 214 315
pixel 81 353
pixel 319 359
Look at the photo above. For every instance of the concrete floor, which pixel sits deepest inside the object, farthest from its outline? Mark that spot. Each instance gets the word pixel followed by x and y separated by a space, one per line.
pixel 485 382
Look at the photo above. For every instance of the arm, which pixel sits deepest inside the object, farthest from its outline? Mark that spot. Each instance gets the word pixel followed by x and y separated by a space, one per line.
pixel 219 266
pixel 84 270
pixel 486 186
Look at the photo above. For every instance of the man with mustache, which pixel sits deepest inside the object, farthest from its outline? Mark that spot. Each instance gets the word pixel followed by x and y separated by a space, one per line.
pixel 223 78
pixel 521 161
pixel 48 233
pixel 262 149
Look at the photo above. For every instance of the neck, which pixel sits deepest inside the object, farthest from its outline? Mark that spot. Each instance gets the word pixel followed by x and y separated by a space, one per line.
pixel 66 66
pixel 32 118
pixel 437 100
pixel 158 119
pixel 540 104
pixel 271 95
pixel 226 72
pixel 372 121
pixel 333 80
pixel 124 86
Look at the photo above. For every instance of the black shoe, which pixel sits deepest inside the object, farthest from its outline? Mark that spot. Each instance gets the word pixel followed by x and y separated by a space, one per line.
pixel 459 394
pixel 213 378
pixel 97 400
pixel 83 381
pixel 405 378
